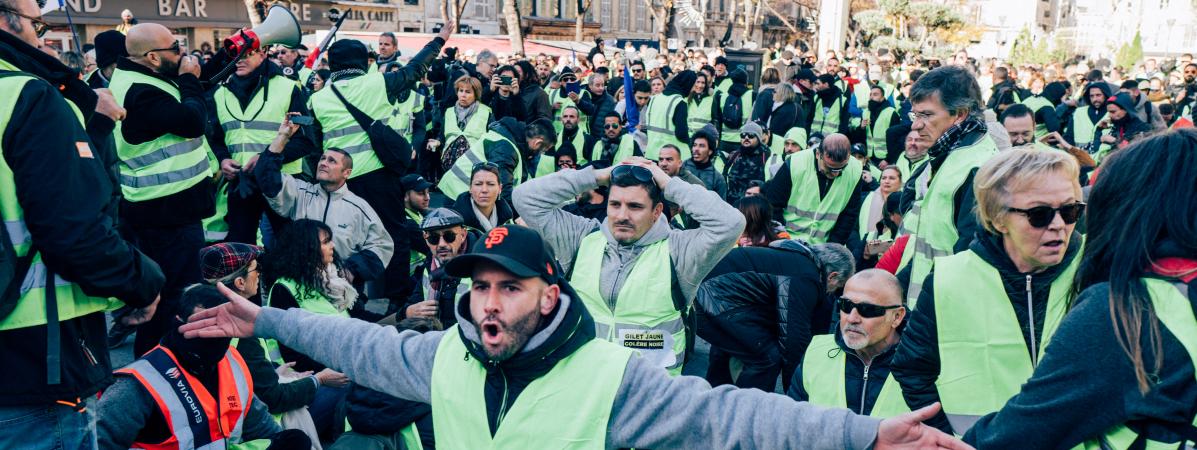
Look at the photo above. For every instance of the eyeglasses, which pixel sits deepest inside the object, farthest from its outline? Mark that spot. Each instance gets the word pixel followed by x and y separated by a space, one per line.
pixel 41 27
pixel 828 167
pixel 627 170
pixel 1042 216
pixel 175 48
pixel 569 164
pixel 435 238
pixel 917 116
pixel 866 310
pixel 611 126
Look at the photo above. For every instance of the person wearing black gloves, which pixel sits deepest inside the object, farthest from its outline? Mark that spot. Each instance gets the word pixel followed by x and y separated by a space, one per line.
pixel 762 305
pixel 353 92
pixel 447 237
pixel 149 392
pixel 55 192
pixel 165 173
pixel 248 110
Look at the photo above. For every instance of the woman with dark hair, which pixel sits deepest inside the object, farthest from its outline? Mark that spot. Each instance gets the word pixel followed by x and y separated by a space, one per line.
pixel 522 98
pixel 1119 372
pixel 302 272
pixel 760 229
pixel 481 206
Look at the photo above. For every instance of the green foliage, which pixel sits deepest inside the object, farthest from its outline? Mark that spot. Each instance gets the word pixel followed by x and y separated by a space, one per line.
pixel 894 7
pixel 934 16
pixel 1130 53
pixel 870 24
pixel 891 25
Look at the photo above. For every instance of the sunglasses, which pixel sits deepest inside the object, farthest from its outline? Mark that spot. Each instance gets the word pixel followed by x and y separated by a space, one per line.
pixel 866 310
pixel 174 48
pixel 435 238
pixel 627 170
pixel 747 136
pixel 1042 216
pixel 41 27
pixel 611 126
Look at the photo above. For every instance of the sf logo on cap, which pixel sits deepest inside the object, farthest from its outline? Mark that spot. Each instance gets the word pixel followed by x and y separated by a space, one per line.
pixel 496 236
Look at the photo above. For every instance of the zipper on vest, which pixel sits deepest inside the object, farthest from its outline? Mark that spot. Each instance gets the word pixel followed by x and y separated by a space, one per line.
pixel 502 403
pixel 1031 324
pixel 864 388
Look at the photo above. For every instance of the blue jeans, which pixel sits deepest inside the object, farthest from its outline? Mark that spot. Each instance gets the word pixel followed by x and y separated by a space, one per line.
pixel 48 427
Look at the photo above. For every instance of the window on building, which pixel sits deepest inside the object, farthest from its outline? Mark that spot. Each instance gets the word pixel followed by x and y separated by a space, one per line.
pixel 605 13
pixel 641 16
pixel 625 15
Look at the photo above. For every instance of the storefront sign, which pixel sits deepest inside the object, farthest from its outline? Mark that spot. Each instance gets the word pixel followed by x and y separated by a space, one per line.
pixel 312 14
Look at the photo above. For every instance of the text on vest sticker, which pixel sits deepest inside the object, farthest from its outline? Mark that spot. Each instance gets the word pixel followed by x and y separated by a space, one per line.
pixel 84 150
pixel 654 345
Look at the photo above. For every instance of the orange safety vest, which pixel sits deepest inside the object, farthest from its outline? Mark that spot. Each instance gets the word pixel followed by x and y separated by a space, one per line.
pixel 197 421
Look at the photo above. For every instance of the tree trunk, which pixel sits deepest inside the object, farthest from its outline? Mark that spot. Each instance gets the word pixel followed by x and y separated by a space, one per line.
pixel 582 9
pixel 747 35
pixel 779 16
pixel 514 31
pixel 663 16
pixel 254 18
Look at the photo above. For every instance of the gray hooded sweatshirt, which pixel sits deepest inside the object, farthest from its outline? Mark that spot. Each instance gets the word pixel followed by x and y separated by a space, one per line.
pixel 693 252
pixel 651 409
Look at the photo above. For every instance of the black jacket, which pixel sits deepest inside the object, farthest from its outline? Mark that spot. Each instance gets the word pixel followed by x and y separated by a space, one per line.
pixel 777 190
pixel 596 107
pixel 244 89
pixel 1086 384
pixel 780 120
pixel 464 206
pixel 375 413
pixel 1002 94
pixel 63 193
pixel 917 363
pixel 506 380
pixel 446 287
pixel 756 297
pixel 530 104
pixel 826 99
pixel 153 113
pixel 855 387
pixel 745 165
pixel 504 154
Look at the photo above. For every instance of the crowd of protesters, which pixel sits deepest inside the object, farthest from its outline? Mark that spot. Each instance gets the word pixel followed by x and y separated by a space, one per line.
pixel 876 251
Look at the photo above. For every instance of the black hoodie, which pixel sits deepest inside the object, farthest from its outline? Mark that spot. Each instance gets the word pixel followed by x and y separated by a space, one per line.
pixel 916 366
pixel 681 84
pixel 63 192
pixel 505 380
pixel 502 153
pixel 1095 113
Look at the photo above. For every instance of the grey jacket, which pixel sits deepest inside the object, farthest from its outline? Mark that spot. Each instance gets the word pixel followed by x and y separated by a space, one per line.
pixel 693 252
pixel 126 406
pixel 1155 120
pixel 358 234
pixel 650 410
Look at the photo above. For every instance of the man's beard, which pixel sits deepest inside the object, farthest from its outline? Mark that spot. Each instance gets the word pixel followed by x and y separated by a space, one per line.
pixel 855 341
pixel 518 333
pixel 168 68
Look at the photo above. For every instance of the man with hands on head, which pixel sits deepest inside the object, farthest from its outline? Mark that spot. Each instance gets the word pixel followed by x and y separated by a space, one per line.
pixel 520 321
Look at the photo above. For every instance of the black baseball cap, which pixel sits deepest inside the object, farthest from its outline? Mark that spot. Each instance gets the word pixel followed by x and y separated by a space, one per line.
pixel 414 182
pixel 519 250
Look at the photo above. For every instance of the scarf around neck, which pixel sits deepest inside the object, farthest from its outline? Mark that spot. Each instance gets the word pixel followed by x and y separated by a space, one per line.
pixel 464 114
pixel 952 137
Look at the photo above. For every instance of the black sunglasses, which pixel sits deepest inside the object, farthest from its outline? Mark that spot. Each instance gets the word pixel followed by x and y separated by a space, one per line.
pixel 174 48
pixel 1042 216
pixel 435 238
pixel 41 27
pixel 611 126
pixel 866 310
pixel 627 170
pixel 747 135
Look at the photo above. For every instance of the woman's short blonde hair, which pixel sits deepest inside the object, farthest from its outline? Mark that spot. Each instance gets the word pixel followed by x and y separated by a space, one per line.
pixel 783 93
pixel 470 82
pixel 1013 171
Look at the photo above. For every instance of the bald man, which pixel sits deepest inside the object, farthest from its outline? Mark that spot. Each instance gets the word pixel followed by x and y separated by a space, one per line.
pixel 820 192
pixel 165 174
pixel 870 322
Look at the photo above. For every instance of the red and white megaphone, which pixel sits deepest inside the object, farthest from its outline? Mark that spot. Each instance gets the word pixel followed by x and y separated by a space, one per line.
pixel 280 27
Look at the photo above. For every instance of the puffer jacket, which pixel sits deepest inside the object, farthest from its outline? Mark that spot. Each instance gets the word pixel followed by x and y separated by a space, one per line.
pixel 358 235
pixel 916 365
pixel 757 295
pixel 711 178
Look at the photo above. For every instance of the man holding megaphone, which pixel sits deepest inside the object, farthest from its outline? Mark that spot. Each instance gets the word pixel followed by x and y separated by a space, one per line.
pixel 249 109
pixel 165 173
pixel 377 131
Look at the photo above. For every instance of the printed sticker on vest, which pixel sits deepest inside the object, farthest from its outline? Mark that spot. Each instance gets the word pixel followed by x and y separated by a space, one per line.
pixel 656 345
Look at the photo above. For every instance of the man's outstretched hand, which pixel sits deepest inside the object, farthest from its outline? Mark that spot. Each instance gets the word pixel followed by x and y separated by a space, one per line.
pixel 234 319
pixel 908 431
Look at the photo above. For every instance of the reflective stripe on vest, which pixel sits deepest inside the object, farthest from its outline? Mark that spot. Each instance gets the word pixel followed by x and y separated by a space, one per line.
pixel 550 412
pixel 30 309
pixel 642 317
pixel 167 165
pixel 1036 103
pixel 827 119
pixel 366 92
pixel 699 113
pixel 807 216
pixel 188 406
pixel 875 138
pixel 658 124
pixel 983 355
pixel 311 301
pixel 931 222
pixel 1174 309
pixel 249 131
pixel 216 229
pixel 473 130
pixel 457 180
pixel 823 368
